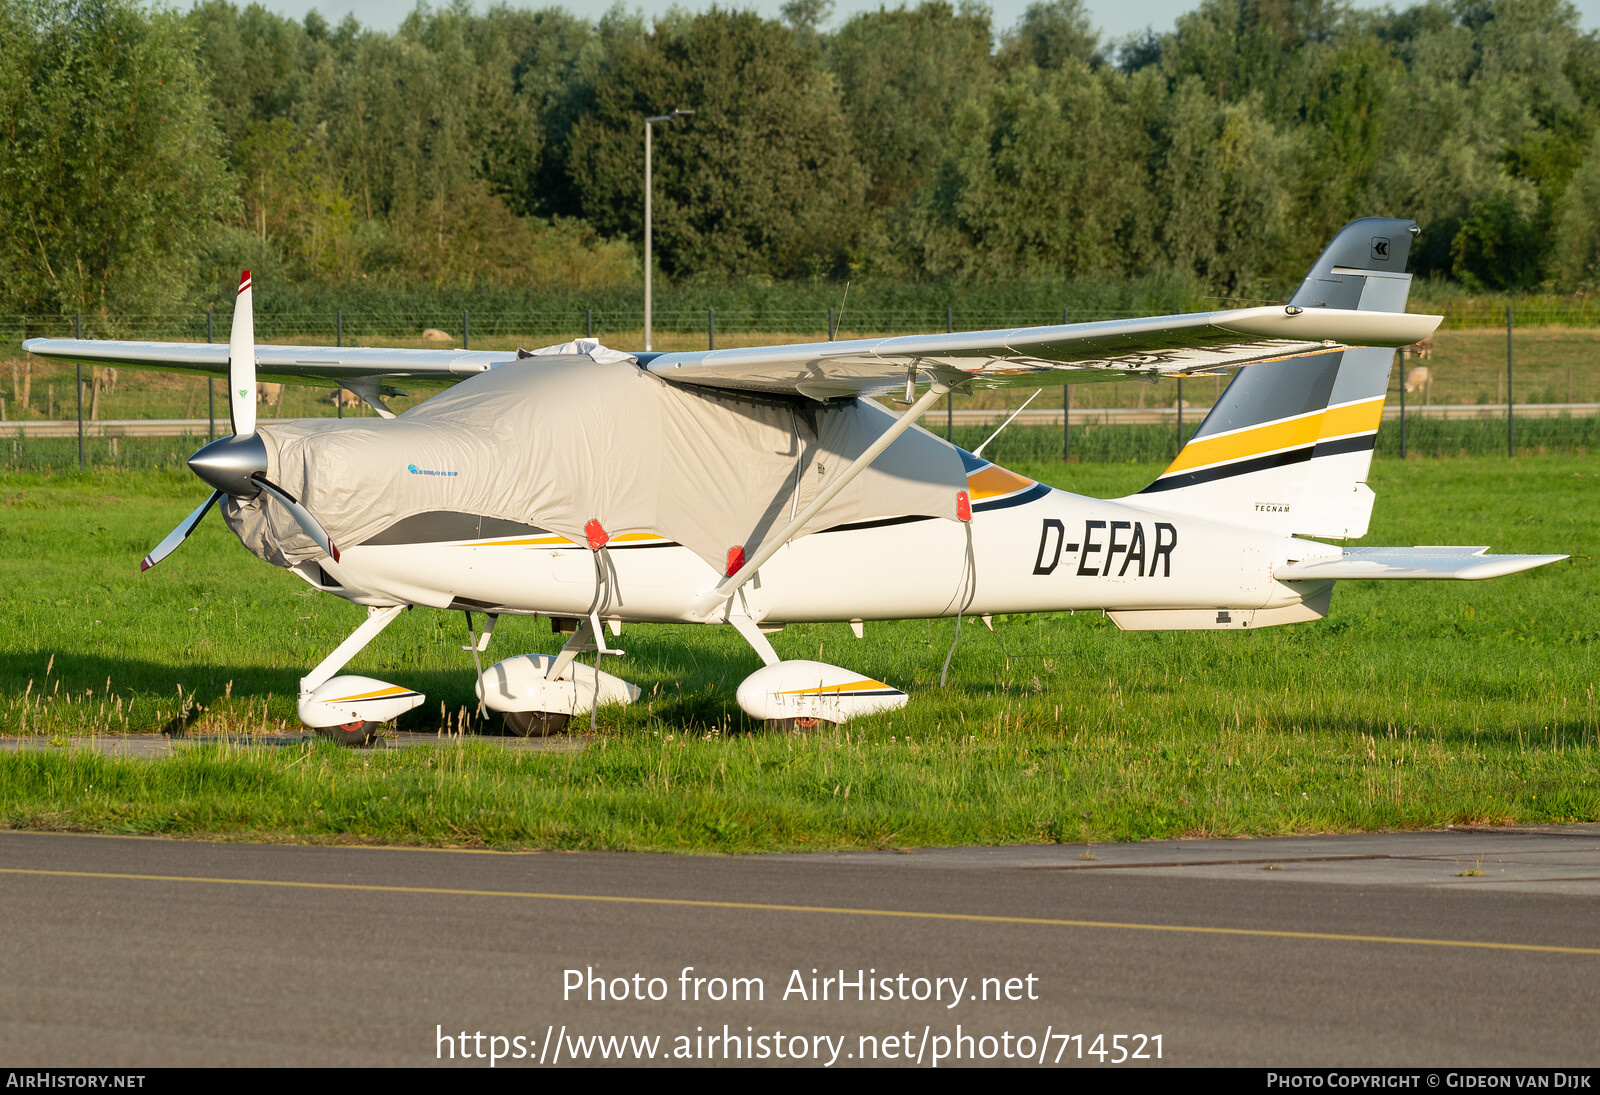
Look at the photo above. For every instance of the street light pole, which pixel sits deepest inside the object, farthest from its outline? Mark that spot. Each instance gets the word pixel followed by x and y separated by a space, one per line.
pixel 648 261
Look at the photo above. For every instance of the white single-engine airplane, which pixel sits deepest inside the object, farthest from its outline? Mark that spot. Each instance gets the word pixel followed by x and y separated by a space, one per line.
pixel 758 487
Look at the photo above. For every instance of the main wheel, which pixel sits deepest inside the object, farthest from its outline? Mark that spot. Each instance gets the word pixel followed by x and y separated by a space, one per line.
pixel 535 724
pixel 360 732
pixel 798 725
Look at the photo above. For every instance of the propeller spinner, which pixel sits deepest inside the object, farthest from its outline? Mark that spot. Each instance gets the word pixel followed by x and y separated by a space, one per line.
pixel 237 466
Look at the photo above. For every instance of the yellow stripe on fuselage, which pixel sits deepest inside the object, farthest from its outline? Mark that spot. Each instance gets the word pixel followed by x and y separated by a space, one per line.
pixel 1286 433
pixel 628 538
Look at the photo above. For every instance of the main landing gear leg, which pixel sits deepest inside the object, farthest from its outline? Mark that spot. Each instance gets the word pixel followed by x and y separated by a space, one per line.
pixel 350 709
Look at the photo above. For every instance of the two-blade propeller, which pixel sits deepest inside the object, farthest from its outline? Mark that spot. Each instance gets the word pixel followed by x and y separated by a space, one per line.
pixel 236 466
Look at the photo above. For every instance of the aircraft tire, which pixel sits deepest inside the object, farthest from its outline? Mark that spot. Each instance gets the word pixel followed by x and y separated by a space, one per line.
pixel 358 733
pixel 534 724
pixel 798 726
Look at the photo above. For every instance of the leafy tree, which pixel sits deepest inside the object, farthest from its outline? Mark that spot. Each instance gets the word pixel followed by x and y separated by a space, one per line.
pixel 903 72
pixel 112 171
pixel 1221 188
pixel 1577 248
pixel 805 18
pixel 1344 92
pixel 291 199
pixel 761 181
pixel 258 64
pixel 1050 33
pixel 1047 174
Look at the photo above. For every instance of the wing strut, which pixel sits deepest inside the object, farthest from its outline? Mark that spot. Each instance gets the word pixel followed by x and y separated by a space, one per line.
pixel 707 601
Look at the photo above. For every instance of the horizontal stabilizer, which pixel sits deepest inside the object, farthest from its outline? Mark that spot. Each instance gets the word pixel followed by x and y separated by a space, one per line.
pixel 1411 562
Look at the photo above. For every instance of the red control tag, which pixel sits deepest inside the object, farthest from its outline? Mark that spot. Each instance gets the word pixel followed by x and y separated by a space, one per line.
pixel 598 537
pixel 735 560
pixel 963 506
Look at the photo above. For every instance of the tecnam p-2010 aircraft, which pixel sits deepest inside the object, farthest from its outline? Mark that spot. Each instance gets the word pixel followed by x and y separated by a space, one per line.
pixel 758 487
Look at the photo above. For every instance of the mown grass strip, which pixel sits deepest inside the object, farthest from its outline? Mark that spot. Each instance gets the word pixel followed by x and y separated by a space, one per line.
pixel 1412 706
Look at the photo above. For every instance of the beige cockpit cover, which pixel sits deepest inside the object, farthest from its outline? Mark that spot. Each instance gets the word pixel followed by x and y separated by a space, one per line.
pixel 558 441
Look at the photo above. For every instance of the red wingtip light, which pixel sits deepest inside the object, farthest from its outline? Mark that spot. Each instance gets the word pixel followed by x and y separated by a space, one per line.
pixel 735 560
pixel 963 506
pixel 597 535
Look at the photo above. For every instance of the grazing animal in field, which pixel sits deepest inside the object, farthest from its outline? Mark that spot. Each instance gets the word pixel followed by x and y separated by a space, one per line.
pixel 1422 350
pixel 433 334
pixel 344 397
pixel 1419 379
pixel 269 393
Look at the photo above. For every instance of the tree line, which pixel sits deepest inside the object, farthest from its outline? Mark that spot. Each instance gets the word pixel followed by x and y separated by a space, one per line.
pixel 149 154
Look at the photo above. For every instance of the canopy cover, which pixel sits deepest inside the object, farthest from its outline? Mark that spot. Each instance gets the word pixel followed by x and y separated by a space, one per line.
pixel 557 441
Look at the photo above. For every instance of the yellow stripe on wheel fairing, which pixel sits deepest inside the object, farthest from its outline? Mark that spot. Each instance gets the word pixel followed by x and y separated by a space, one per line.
pixel 853 686
pixel 392 690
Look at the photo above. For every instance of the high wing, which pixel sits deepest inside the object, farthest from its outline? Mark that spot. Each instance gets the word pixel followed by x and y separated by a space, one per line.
pixel 1035 356
pixel 1062 354
pixel 326 364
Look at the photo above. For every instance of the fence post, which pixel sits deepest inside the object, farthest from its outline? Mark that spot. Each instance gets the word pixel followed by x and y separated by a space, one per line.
pixel 830 323
pixel 211 389
pixel 1511 400
pixel 1066 408
pixel 338 327
pixel 949 399
pixel 466 330
pixel 77 332
pixel 711 328
pixel 1402 404
pixel 588 322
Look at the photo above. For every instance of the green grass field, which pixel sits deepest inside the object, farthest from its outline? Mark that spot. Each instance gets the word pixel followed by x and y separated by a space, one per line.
pixel 1413 704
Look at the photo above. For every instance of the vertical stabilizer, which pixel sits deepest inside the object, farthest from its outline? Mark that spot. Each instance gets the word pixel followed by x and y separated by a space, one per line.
pixel 1288 446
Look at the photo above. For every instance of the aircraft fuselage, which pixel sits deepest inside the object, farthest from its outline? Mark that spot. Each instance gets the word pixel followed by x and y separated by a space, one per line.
pixel 1038 550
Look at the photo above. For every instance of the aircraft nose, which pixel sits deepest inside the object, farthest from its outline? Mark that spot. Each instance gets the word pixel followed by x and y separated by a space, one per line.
pixel 228 463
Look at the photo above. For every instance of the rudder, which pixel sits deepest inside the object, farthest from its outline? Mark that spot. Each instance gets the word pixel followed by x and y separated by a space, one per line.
pixel 1288 445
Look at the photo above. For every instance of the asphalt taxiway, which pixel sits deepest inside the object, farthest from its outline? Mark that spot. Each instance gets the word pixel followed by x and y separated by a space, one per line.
pixel 1452 948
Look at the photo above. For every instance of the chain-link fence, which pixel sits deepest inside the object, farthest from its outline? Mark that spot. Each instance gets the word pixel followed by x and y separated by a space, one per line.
pixel 1094 443
pixel 1492 380
pixel 725 325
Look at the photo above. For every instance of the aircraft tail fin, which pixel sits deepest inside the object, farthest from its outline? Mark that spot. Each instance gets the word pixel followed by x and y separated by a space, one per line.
pixel 1288 446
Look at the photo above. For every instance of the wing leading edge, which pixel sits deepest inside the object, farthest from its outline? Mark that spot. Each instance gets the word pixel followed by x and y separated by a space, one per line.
pixel 1034 356
pixel 1065 354
pixel 328 364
